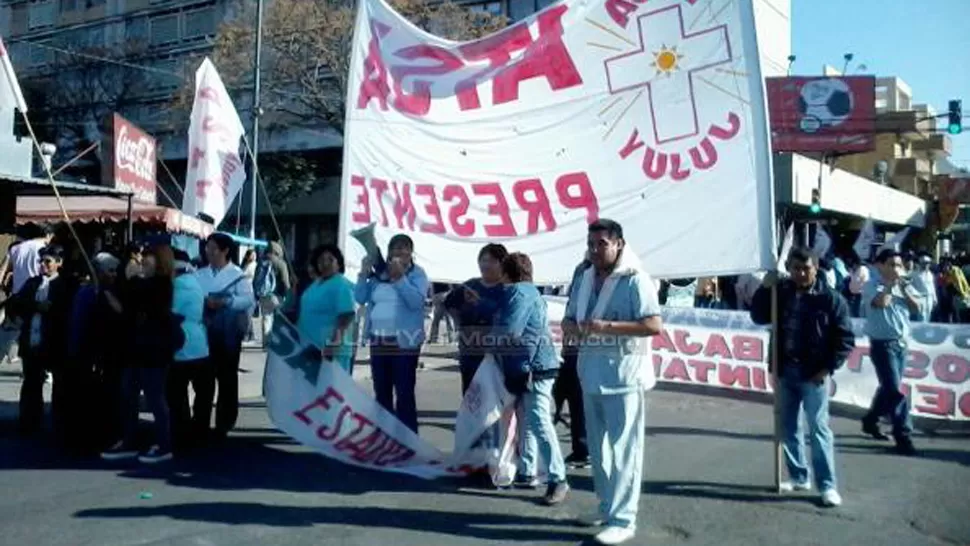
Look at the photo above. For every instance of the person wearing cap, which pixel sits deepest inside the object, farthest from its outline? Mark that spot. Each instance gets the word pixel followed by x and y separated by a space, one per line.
pixel 191 365
pixel 92 349
pixel 394 296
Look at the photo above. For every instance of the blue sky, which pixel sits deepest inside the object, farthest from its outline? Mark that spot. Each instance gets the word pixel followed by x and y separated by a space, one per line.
pixel 924 42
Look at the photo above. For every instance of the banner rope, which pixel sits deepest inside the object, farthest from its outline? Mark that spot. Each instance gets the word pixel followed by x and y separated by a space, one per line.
pixel 60 200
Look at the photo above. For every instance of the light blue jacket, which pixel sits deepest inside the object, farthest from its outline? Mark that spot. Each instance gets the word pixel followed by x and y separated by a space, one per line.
pixel 188 302
pixel 412 290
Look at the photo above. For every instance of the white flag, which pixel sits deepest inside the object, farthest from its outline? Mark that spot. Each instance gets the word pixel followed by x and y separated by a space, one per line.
pixel 786 247
pixel 896 242
pixel 215 171
pixel 867 238
pixel 12 96
pixel 823 243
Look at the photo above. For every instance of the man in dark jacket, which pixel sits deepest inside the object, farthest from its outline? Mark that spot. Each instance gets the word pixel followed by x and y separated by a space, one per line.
pixel 814 339
pixel 44 304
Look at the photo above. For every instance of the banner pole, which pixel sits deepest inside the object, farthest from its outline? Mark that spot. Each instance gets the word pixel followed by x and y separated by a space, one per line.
pixel 776 387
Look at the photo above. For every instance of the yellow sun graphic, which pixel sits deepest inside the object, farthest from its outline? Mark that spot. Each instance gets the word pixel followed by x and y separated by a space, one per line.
pixel 666 60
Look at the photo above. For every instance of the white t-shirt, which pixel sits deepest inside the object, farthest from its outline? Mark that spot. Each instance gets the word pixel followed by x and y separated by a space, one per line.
pixel 25 261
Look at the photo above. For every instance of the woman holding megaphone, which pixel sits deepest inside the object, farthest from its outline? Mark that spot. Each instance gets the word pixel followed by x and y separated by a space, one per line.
pixel 394 294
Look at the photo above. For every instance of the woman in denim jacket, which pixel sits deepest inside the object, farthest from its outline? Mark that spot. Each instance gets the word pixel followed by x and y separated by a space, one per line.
pixel 528 358
pixel 394 296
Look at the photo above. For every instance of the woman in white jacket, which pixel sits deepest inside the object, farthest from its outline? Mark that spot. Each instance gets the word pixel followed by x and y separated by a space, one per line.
pixel 192 365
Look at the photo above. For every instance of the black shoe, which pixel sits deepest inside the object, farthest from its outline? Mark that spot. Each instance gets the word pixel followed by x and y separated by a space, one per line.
pixel 904 446
pixel 872 429
pixel 577 461
pixel 556 493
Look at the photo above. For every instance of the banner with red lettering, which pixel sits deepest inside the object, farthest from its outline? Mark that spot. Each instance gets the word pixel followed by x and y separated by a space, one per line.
pixel 649 113
pixel 318 404
pixel 215 172
pixel 725 350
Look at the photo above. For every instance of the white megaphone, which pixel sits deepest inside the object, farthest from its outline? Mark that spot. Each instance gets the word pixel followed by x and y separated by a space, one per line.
pixel 365 236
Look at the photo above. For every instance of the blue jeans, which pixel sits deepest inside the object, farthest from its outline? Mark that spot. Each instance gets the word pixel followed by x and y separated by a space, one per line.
pixel 538 433
pixel 889 359
pixel 795 394
pixel 394 371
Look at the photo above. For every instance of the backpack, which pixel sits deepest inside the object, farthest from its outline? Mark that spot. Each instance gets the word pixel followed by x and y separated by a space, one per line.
pixel 264 281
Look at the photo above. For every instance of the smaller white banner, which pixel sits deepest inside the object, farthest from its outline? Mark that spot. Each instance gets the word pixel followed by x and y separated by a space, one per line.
pixel 725 350
pixel 215 171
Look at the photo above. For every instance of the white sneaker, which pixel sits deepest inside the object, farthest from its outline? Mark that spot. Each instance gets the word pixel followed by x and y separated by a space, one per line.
pixel 615 535
pixel 831 498
pixel 591 520
pixel 789 486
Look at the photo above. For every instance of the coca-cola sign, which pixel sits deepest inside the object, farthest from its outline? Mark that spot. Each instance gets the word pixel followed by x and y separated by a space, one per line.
pixel 131 160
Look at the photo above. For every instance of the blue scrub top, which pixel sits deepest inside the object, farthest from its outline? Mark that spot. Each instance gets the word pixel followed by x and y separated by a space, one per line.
pixel 320 305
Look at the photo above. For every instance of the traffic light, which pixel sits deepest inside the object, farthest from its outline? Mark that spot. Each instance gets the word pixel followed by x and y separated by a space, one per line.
pixel 955 124
pixel 816 206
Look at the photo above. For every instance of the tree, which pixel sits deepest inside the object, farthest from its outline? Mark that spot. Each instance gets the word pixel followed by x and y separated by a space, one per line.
pixel 307 48
pixel 73 96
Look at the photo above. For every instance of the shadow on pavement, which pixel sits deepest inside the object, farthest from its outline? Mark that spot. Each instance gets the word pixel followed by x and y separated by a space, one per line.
pixel 936 454
pixel 688 431
pixel 495 527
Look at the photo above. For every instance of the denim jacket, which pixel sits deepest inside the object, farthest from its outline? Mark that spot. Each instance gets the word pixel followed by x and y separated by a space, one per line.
pixel 825 330
pixel 521 333
pixel 412 289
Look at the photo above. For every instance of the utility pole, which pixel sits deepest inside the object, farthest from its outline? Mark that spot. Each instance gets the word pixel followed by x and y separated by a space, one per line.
pixel 257 110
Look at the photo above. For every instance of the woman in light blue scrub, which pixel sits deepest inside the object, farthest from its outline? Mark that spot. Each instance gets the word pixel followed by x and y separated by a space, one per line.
pixel 327 307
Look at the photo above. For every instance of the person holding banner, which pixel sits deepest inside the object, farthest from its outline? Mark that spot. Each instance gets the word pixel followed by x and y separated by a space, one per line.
pixel 612 307
pixel 528 358
pixel 888 301
pixel 474 305
pixel 815 338
pixel 394 297
pixel 327 307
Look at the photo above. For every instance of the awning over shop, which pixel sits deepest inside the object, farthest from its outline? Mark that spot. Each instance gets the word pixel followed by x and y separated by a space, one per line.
pixel 35 209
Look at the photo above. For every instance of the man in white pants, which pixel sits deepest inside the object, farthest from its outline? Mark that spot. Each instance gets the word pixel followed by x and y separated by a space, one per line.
pixel 612 309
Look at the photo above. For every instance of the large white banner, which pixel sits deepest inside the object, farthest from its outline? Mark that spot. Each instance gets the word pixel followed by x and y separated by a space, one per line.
pixel 318 404
pixel 215 171
pixel 648 113
pixel 725 350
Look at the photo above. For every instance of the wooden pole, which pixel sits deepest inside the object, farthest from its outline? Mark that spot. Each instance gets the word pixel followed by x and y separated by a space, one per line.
pixel 776 386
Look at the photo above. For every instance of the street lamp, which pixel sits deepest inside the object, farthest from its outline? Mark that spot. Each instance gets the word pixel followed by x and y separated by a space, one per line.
pixel 47 151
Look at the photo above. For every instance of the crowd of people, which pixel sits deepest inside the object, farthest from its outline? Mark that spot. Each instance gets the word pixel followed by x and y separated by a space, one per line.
pixel 147 322
pixel 152 322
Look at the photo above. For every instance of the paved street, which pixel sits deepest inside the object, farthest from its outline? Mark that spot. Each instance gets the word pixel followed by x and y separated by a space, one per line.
pixel 708 470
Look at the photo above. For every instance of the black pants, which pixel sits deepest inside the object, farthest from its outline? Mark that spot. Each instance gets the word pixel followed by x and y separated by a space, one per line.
pixel 225 366
pixel 32 394
pixel 190 425
pixel 72 410
pixel 109 392
pixel 567 386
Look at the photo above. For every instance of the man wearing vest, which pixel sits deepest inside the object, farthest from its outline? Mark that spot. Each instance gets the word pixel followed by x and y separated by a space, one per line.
pixel 611 309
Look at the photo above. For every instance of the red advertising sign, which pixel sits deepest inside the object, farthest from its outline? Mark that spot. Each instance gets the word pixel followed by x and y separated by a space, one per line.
pixel 129 163
pixel 822 114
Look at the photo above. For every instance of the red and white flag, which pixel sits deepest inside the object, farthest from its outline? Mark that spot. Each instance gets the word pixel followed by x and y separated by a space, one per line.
pixel 10 94
pixel 215 172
